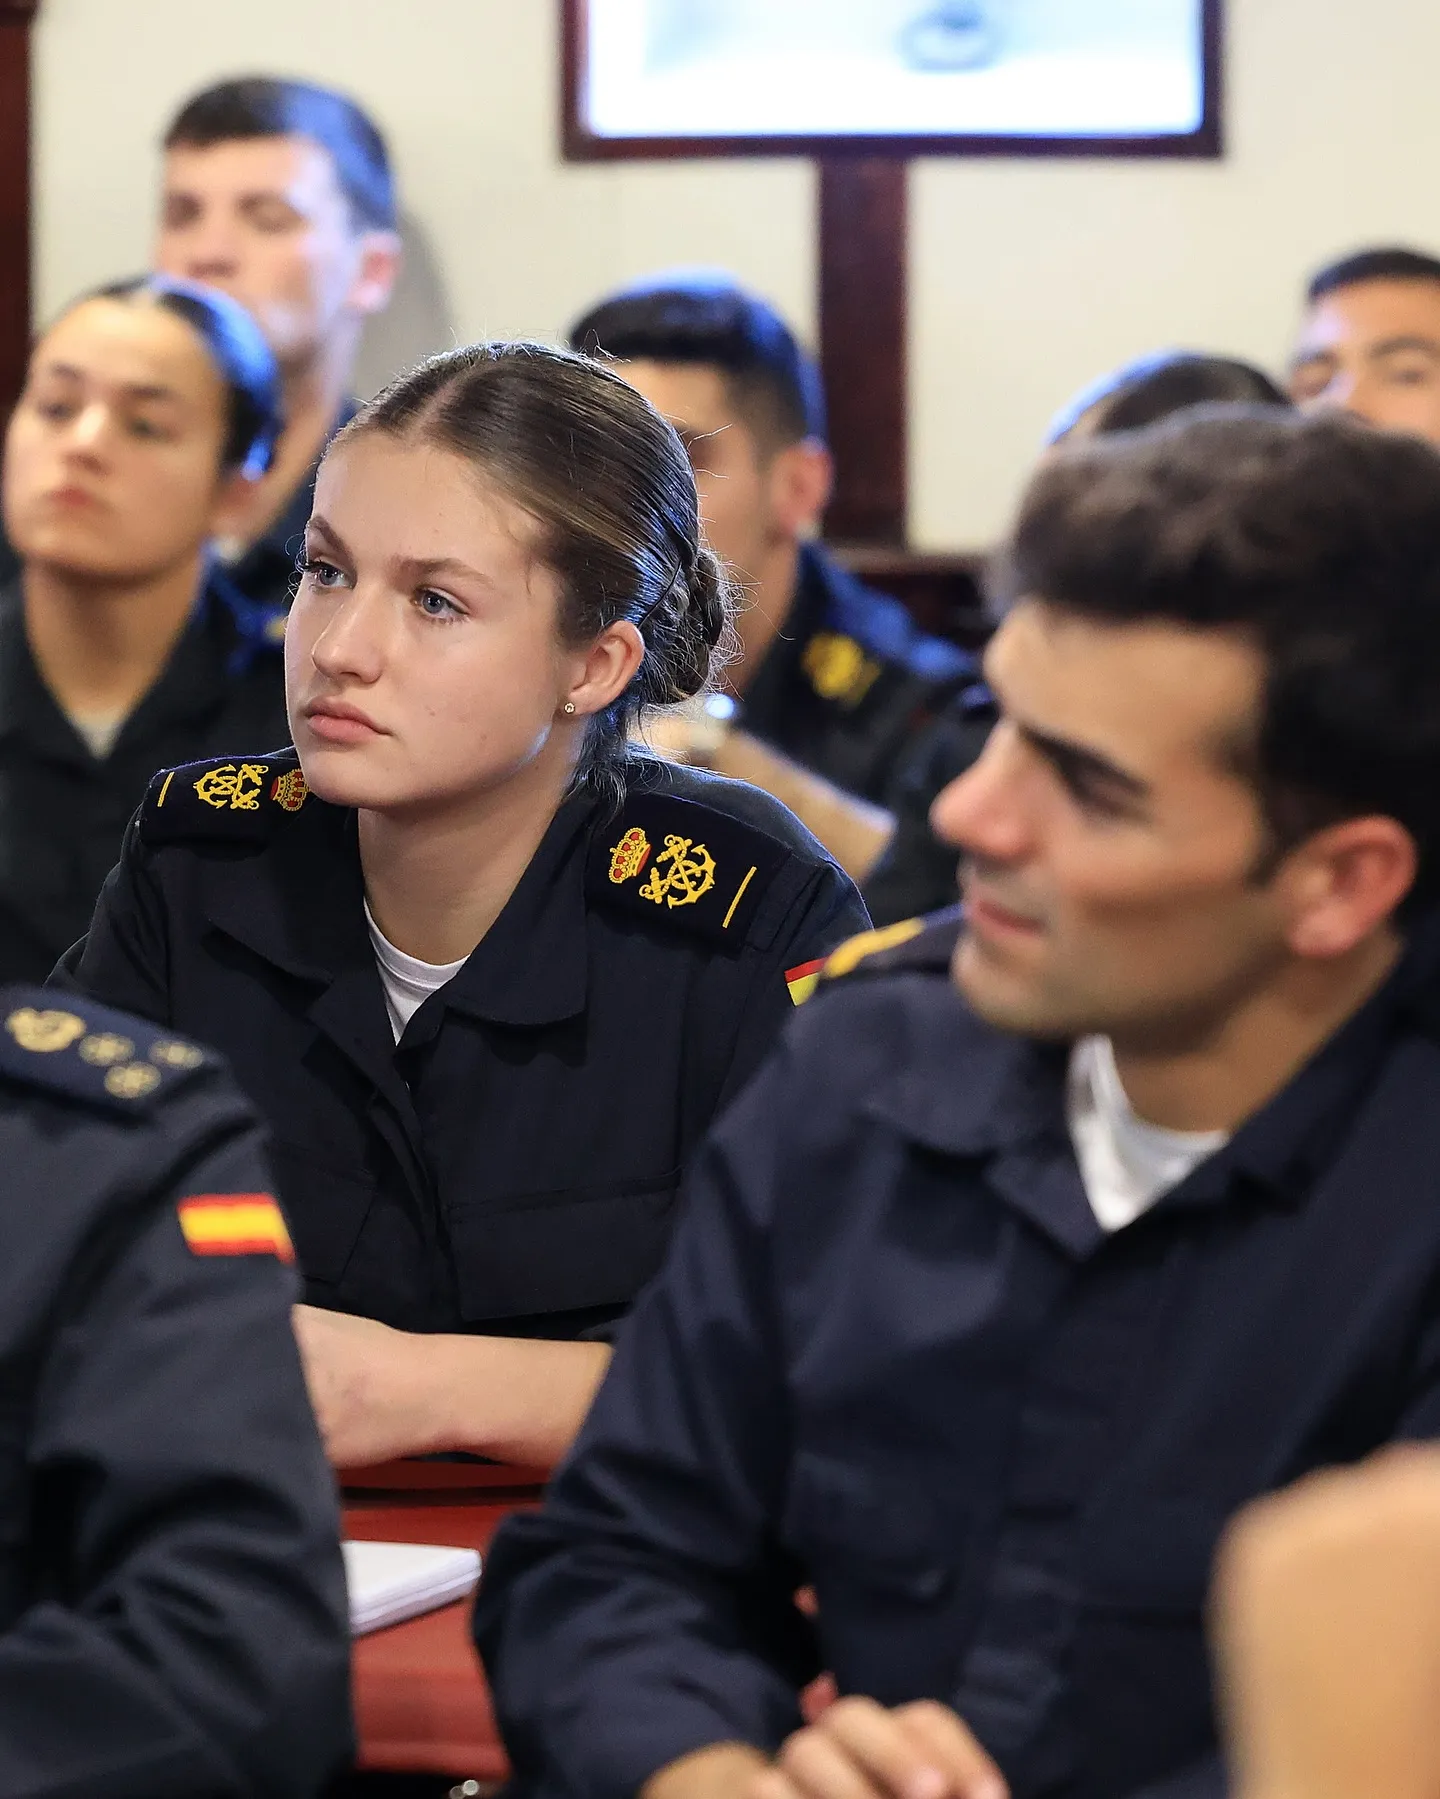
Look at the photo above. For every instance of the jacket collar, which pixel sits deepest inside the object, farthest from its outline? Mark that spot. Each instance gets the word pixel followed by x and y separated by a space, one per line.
pixel 969 1091
pixel 192 684
pixel 531 967
pixel 300 906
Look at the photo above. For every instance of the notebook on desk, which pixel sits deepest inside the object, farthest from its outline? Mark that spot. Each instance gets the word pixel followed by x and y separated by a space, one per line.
pixel 389 1582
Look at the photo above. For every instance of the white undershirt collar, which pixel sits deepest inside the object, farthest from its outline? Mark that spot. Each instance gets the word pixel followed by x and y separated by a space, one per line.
pixel 1126 1163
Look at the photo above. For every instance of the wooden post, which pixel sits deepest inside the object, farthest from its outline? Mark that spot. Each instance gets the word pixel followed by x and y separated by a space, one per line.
pixel 862 343
pixel 15 21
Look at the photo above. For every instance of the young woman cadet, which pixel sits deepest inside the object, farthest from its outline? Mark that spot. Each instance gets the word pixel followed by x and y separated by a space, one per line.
pixel 487 973
pixel 148 410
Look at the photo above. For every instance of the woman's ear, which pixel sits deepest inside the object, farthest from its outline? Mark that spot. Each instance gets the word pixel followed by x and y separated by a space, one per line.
pixel 606 669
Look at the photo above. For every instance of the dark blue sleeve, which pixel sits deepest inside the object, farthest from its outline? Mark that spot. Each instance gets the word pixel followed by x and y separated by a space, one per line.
pixel 1200 1780
pixel 191 1635
pixel 123 960
pixel 646 1612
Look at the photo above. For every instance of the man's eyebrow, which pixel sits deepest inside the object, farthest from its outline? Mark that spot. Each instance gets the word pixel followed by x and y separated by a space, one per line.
pixel 1391 346
pixel 1074 763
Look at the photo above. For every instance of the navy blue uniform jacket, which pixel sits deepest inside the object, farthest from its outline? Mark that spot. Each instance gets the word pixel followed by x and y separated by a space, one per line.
pixel 851 680
pixel 893 1356
pixel 173 1622
pixel 513 1165
pixel 63 810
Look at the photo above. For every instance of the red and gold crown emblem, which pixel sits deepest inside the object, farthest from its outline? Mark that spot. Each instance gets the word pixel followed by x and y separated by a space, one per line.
pixel 629 856
pixel 289 790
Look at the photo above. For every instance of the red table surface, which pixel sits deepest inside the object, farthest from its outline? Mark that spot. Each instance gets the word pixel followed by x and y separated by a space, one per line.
pixel 421 1704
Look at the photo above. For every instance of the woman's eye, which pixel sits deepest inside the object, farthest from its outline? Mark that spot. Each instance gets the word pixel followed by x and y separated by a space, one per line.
pixel 435 605
pixel 54 410
pixel 146 428
pixel 322 573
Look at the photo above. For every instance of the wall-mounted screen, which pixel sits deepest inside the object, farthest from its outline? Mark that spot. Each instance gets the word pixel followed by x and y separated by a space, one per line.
pixel 1065 77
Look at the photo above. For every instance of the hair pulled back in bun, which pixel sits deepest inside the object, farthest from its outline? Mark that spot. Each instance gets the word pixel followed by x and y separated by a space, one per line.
pixel 612 493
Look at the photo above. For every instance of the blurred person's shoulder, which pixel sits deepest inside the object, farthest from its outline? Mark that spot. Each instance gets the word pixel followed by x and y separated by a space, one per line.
pixel 878 625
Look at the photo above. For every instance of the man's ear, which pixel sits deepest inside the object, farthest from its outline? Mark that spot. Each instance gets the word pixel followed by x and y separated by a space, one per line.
pixel 376 272
pixel 1343 884
pixel 800 479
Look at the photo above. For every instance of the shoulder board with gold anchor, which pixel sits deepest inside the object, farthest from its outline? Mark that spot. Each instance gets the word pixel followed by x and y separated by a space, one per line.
pixel 235 797
pixel 924 945
pixel 682 866
pixel 59 1043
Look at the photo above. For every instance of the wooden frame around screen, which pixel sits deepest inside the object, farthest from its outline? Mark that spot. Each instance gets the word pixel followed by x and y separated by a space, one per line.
pixel 581 144
pixel 15 20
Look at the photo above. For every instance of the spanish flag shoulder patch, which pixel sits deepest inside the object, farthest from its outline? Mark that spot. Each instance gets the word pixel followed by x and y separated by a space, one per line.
pixel 235 1224
pixel 801 981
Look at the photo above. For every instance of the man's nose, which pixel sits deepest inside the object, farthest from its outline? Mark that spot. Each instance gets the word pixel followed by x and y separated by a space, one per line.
pixel 207 250
pixel 979 811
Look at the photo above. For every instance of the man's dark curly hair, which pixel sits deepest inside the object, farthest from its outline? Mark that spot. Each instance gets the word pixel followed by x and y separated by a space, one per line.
pixel 1317 539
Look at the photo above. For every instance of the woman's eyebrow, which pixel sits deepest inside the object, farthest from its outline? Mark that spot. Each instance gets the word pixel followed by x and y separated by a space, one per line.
pixel 132 390
pixel 422 568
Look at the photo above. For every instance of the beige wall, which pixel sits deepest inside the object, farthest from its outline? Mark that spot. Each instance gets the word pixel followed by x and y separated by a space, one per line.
pixel 1027 278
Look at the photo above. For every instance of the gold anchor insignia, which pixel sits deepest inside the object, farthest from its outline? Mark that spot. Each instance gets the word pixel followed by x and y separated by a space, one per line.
pixel 629 856
pixel 237 788
pixel 289 790
pixel 688 878
pixel 170 1054
pixel 132 1080
pixel 105 1048
pixel 44 1032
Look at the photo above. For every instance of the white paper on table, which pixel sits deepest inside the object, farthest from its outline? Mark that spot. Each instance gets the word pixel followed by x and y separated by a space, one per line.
pixel 389 1582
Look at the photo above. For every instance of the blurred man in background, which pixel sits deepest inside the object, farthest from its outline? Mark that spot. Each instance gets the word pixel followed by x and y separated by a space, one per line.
pixel 280 194
pixel 832 679
pixel 1369 342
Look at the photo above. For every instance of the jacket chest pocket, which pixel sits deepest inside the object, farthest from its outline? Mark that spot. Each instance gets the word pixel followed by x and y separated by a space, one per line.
pixel 884 1565
pixel 1151 1558
pixel 565 1251
pixel 326 1207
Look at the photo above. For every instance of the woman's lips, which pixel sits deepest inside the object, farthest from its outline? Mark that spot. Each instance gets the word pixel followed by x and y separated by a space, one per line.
pixel 341 724
pixel 76 498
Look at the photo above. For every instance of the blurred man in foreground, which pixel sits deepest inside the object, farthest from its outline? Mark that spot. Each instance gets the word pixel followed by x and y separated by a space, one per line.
pixel 1058 1229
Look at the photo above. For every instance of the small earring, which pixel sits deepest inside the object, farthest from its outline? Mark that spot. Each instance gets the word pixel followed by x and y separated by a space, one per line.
pixel 569 708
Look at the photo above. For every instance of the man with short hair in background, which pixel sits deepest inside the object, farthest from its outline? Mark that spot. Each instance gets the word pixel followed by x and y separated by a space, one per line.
pixel 832 680
pixel 280 193
pixel 1369 342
